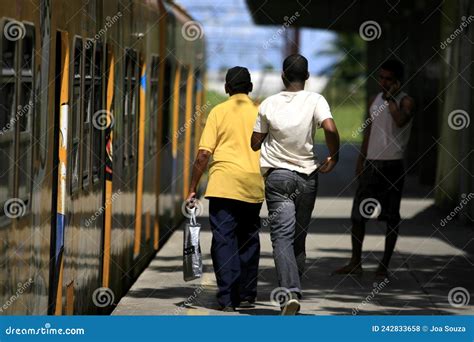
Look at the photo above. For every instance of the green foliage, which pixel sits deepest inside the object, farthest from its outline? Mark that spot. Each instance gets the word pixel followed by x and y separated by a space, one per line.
pixel 346 91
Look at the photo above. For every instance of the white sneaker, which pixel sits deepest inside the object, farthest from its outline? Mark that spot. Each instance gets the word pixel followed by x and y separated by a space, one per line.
pixel 291 308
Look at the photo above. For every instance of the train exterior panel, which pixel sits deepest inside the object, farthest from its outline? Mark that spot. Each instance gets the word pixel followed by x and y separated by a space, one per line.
pixel 100 108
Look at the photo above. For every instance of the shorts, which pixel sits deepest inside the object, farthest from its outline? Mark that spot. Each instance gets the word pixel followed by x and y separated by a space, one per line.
pixel 380 185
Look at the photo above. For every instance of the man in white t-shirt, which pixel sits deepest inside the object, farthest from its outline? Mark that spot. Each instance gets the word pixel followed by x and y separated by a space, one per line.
pixel 285 131
pixel 380 168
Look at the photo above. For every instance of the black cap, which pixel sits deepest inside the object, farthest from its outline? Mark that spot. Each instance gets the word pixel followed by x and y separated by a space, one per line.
pixel 237 76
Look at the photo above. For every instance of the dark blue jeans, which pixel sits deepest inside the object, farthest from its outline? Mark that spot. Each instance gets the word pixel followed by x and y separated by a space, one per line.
pixel 235 249
pixel 290 199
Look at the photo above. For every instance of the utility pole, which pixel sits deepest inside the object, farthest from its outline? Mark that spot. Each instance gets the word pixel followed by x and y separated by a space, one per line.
pixel 291 44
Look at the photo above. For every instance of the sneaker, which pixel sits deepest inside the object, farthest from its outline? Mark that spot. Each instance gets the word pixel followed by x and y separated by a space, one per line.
pixel 291 307
pixel 228 309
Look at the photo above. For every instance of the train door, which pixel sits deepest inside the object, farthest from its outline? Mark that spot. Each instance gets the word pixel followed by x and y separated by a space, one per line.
pixel 59 189
pixel 108 170
pixel 130 127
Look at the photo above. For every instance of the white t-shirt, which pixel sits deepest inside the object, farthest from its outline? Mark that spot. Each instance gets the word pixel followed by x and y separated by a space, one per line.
pixel 387 141
pixel 290 119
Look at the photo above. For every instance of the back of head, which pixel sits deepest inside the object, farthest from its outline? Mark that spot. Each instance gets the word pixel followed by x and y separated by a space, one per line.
pixel 394 66
pixel 295 68
pixel 237 80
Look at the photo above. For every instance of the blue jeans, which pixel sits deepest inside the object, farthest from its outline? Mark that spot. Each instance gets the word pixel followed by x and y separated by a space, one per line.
pixel 235 249
pixel 290 199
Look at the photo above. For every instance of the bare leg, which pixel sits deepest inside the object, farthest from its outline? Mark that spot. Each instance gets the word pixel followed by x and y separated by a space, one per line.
pixel 357 238
pixel 390 241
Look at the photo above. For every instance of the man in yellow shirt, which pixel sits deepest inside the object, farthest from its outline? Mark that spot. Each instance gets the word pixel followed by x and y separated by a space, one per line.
pixel 234 190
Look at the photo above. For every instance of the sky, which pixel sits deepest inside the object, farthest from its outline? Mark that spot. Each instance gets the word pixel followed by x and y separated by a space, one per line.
pixel 233 39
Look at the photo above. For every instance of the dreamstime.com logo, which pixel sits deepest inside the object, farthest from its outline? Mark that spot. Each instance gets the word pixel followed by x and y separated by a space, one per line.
pixel 458 119
pixel 103 119
pixel 195 203
pixel 21 111
pixel 275 213
pixel 14 30
pixel 459 297
pixel 375 111
pixel 199 111
pixel 280 296
pixel 288 21
pixel 22 287
pixel 99 211
pixel 192 30
pixel 102 297
pixel 465 21
pixel 377 287
pixel 189 301
pixel 457 209
pixel 370 208
pixel 109 22
pixel 14 208
pixel 370 30
pixel 46 330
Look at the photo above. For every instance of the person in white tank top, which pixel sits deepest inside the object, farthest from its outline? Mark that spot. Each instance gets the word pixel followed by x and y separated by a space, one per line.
pixel 380 167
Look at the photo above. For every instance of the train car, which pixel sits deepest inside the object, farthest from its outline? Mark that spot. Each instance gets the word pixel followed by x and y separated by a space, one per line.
pixel 100 106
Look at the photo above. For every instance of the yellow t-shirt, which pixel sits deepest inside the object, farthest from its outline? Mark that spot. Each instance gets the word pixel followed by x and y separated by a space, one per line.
pixel 234 172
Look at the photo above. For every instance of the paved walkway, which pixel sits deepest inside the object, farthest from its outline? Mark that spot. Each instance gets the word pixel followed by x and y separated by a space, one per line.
pixel 428 263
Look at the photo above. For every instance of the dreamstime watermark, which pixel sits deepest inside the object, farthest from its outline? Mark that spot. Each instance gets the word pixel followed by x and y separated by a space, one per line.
pixel 102 297
pixel 190 122
pixel 280 296
pixel 99 211
pixel 192 30
pixel 464 24
pixel 458 119
pixel 189 301
pixel 458 297
pixel 370 30
pixel 14 208
pixel 375 112
pixel 286 202
pixel 46 330
pixel 14 30
pixel 109 22
pixel 287 22
pixel 194 203
pixel 22 287
pixel 21 111
pixel 457 209
pixel 370 208
pixel 103 119
pixel 377 288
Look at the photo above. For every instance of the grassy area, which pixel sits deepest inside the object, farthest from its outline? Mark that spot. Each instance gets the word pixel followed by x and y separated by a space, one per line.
pixel 215 98
pixel 348 116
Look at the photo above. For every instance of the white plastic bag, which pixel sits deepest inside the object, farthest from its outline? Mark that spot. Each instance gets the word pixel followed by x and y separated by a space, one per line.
pixel 192 258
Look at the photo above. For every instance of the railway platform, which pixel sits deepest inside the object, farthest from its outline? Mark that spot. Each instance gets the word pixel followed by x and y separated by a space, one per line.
pixel 428 270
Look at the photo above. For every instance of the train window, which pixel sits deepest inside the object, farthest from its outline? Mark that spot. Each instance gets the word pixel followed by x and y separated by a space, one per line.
pixel 25 111
pixel 182 101
pixel 130 104
pixel 16 108
pixel 76 114
pixel 7 118
pixel 154 75
pixel 195 110
pixel 126 101
pixel 134 105
pixel 97 128
pixel 87 113
pixel 8 55
pixel 167 89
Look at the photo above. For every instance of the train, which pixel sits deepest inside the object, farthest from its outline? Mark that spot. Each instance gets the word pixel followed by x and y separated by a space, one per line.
pixel 101 106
